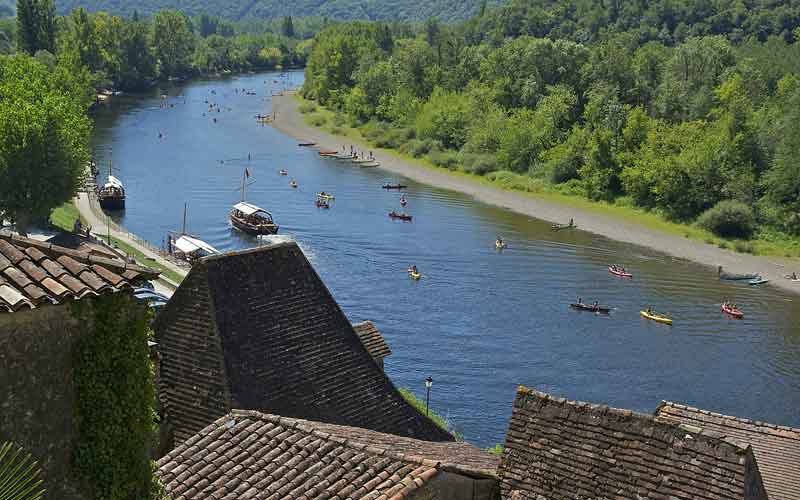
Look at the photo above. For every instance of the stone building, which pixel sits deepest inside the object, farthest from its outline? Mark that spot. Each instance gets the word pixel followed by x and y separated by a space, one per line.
pixel 251 455
pixel 776 447
pixel 558 449
pixel 373 341
pixel 38 333
pixel 258 330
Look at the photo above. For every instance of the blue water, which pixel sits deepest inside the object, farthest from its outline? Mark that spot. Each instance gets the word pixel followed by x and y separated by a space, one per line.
pixel 480 322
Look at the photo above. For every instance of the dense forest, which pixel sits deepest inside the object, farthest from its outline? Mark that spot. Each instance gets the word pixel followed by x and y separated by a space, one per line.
pixel 133 53
pixel 687 108
pixel 390 10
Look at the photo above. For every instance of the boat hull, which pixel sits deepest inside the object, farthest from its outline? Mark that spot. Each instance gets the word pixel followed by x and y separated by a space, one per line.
pixel 255 230
pixel 733 312
pixel 657 319
pixel 620 273
pixel 584 307
pixel 112 203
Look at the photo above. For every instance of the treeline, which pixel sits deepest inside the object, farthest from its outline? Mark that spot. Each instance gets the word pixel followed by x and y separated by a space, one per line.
pixel 131 54
pixel 636 103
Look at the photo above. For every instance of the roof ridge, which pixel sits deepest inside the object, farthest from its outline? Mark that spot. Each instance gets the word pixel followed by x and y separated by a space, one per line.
pixel 82 257
pixel 755 423
pixel 248 251
pixel 697 432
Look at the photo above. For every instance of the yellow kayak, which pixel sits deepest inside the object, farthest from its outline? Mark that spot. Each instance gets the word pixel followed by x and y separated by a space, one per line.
pixel 415 276
pixel 657 318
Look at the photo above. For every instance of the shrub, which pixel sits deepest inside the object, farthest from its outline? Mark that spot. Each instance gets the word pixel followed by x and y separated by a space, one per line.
pixel 517 182
pixel 479 164
pixel 729 219
pixel 316 120
pixel 339 119
pixel 444 159
pixel 744 247
pixel 336 131
pixel 307 107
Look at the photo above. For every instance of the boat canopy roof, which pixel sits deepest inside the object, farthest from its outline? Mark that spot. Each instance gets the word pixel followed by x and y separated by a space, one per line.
pixel 248 209
pixel 190 245
pixel 113 182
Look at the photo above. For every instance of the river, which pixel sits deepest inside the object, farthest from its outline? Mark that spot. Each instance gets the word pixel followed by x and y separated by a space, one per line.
pixel 480 322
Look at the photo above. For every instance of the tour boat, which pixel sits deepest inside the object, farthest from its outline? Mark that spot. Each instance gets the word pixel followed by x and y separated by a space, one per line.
pixel 618 272
pixel 112 195
pixel 250 218
pixel 590 307
pixel 736 313
pixel 656 317
pixel 187 247
pixel 394 186
pixel 404 216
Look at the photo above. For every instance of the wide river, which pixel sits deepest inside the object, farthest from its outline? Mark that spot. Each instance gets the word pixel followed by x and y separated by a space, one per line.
pixel 481 322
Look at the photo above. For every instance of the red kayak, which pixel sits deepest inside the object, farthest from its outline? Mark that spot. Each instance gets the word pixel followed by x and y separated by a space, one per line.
pixel 620 273
pixel 736 313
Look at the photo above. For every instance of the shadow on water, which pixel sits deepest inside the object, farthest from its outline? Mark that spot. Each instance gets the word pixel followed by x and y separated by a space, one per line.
pixel 480 322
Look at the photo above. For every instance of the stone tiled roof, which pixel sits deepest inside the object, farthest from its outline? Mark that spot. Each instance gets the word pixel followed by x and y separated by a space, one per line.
pixel 258 330
pixel 372 340
pixel 250 455
pixel 559 449
pixel 776 448
pixel 35 273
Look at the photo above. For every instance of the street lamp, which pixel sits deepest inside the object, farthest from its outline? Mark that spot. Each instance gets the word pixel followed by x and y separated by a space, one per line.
pixel 428 385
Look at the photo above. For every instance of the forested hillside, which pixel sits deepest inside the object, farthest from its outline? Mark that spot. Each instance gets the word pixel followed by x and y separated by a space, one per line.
pixel 690 109
pixel 390 10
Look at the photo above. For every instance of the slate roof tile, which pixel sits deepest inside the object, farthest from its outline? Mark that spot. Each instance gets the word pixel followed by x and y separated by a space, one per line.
pixel 268 456
pixel 34 273
pixel 372 340
pixel 776 448
pixel 559 450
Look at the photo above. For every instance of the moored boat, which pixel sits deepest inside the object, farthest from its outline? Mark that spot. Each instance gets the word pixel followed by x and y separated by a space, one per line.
pixel 112 194
pixel 591 308
pixel 732 311
pixel 735 276
pixel 401 216
pixel 394 186
pixel 656 317
pixel 306 144
pixel 371 164
pixel 758 280
pixel 187 247
pixel 328 153
pixel 559 227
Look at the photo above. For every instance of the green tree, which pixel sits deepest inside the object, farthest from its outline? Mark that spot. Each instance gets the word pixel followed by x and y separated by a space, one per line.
pixel 173 43
pixel 444 118
pixel 36 26
pixel 288 27
pixel 44 141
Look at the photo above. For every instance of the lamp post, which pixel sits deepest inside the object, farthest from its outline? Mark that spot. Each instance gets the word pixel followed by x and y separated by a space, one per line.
pixel 428 385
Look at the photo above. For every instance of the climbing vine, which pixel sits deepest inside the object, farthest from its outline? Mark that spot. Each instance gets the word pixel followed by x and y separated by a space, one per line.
pixel 115 399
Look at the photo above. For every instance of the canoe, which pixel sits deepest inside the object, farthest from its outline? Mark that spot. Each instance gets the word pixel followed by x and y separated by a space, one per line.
pixel 588 307
pixel 395 215
pixel 328 153
pixel 758 281
pixel 620 273
pixel 656 318
pixel 414 276
pixel 371 164
pixel 559 227
pixel 326 196
pixel 394 186
pixel 306 144
pixel 736 313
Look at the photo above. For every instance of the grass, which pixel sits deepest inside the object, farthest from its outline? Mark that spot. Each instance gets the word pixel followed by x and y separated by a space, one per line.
pixel 496 449
pixel 437 419
pixel 145 260
pixel 767 242
pixel 64 216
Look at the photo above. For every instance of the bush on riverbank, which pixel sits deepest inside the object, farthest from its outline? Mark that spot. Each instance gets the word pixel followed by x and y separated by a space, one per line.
pixel 729 219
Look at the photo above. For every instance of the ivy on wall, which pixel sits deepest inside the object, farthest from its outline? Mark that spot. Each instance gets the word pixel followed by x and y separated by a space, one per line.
pixel 115 399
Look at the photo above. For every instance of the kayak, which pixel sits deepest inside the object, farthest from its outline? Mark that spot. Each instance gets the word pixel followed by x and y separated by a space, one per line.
pixel 655 317
pixel 403 216
pixel 620 273
pixel 415 276
pixel 736 313
pixel 586 307
pixel 758 281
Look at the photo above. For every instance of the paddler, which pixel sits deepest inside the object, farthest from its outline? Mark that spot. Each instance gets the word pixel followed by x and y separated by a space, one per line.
pixel 413 270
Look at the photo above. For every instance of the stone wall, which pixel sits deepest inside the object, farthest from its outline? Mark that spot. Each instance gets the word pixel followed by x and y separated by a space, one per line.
pixel 451 486
pixel 37 393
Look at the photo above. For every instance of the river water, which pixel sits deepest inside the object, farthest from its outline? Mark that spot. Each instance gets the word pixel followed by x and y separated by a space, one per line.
pixel 481 322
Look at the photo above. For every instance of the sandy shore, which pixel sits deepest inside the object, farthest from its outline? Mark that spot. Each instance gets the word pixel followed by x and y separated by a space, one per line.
pixel 290 121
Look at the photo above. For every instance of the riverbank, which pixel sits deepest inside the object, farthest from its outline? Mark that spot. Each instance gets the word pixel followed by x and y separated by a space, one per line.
pixel 589 217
